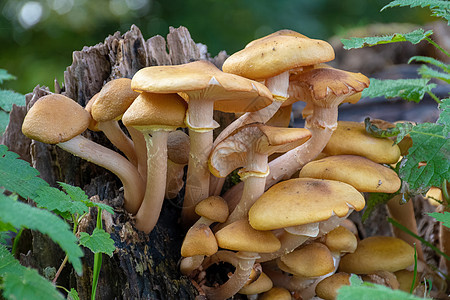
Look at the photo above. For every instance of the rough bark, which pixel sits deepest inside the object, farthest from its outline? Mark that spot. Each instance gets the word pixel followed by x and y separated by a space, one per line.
pixel 143 266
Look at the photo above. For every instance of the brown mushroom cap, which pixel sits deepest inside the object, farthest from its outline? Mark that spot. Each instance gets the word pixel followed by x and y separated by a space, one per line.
pixel 327 288
pixel 93 124
pixel 352 138
pixel 229 92
pixel 178 147
pixel 214 208
pixel 303 201
pixel 276 54
pixel 260 285
pixel 199 240
pixel 360 172
pixel 113 100
pixel 276 293
pixel 55 119
pixel 378 253
pixel 231 153
pixel 286 32
pixel 312 260
pixel 145 111
pixel 240 236
pixel 341 240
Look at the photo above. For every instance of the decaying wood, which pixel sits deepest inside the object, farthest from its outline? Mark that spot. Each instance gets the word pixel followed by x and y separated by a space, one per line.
pixel 143 266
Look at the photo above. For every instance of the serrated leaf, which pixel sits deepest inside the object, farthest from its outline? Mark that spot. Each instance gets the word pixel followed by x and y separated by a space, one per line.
pixel 366 290
pixel 413 37
pixel 8 98
pixel 17 175
pixel 408 89
pixel 439 8
pixel 432 61
pixel 4 121
pixel 19 215
pixel 4 75
pixel 442 217
pixel 99 242
pixel 427 72
pixel 428 161
pixel 404 129
pixel 77 194
pixel 58 201
pixel 20 282
pixel 444 116
pixel 73 295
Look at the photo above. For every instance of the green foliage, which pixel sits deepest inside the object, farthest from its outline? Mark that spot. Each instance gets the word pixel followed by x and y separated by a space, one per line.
pixel 373 200
pixel 73 295
pixel 430 60
pixel 366 290
pixel 24 283
pixel 98 242
pixel 442 217
pixel 7 99
pixel 439 8
pixel 4 75
pixel 414 37
pixel 427 72
pixel 408 89
pixel 19 214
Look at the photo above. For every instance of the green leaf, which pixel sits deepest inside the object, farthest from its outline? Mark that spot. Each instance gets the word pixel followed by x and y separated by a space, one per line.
pixel 20 282
pixel 59 202
pixel 444 117
pixel 428 161
pixel 8 98
pixel 19 215
pixel 99 242
pixel 408 89
pixel 366 290
pixel 442 217
pixel 73 295
pixel 4 121
pixel 439 8
pixel 373 200
pixel 427 72
pixel 414 37
pixel 4 75
pixel 404 129
pixel 77 194
pixel 17 175
pixel 432 61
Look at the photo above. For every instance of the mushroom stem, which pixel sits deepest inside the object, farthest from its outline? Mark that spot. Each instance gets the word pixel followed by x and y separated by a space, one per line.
pixel 148 213
pixel 119 139
pixel 174 179
pixel 244 267
pixel 114 162
pixel 141 150
pixel 288 244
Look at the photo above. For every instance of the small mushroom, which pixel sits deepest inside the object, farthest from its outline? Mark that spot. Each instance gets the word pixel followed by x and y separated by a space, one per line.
pixel 57 119
pixel 327 289
pixel 177 158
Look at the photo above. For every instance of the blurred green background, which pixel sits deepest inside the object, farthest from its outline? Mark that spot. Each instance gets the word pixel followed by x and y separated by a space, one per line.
pixel 38 37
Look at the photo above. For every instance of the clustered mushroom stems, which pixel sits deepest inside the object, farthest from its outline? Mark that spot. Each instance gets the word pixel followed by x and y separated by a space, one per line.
pixel 140 147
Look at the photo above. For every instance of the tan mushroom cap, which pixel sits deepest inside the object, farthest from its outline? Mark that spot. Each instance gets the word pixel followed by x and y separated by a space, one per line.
pixel 55 119
pixel 260 285
pixel 341 240
pixel 405 279
pixel 231 153
pixel 302 201
pixel 146 111
pixel 323 85
pixel 277 293
pixel 327 289
pixel 276 54
pixel 434 196
pixel 360 172
pixel 240 236
pixel 229 92
pixel 378 253
pixel 285 32
pixel 113 100
pixel 199 240
pixel 312 260
pixel 352 138
pixel 214 208
pixel 178 145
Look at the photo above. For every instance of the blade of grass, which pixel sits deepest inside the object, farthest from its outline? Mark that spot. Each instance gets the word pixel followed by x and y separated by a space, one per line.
pixel 411 289
pixel 97 259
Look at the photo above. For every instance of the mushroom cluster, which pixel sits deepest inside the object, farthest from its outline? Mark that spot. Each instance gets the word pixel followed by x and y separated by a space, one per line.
pixel 280 235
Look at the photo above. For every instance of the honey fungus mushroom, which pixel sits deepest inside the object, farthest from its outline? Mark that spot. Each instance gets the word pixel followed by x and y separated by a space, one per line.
pixel 57 119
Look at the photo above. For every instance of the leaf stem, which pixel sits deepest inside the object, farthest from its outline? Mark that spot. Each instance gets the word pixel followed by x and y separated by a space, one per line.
pixel 437 46
pixel 445 192
pixel 61 267
pixel 97 259
pixel 16 242
pixel 434 97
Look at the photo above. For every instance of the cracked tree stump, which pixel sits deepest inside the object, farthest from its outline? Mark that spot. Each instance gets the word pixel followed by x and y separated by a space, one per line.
pixel 142 266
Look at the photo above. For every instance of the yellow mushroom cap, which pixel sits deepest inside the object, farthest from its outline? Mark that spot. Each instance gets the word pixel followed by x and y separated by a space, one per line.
pixel 302 201
pixel 178 146
pixel 360 172
pixel 312 260
pixel 277 293
pixel 378 253
pixel 199 240
pixel 55 119
pixel 156 111
pixel 341 239
pixel 352 138
pixel 260 285
pixel 214 208
pixel 327 288
pixel 276 54
pixel 240 236
pixel 113 100
pixel 405 279
pixel 93 124
pixel 286 32
pixel 229 92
